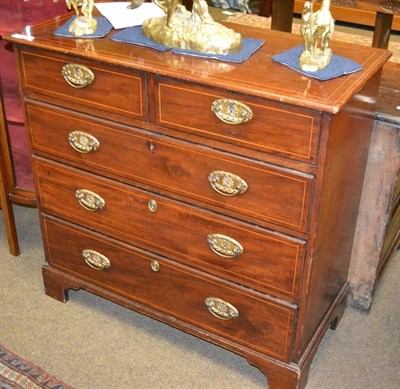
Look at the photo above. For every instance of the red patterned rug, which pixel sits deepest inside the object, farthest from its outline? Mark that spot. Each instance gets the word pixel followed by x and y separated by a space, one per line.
pixel 17 372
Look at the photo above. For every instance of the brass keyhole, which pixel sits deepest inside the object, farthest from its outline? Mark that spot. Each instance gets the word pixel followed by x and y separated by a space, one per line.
pixel 152 204
pixel 155 266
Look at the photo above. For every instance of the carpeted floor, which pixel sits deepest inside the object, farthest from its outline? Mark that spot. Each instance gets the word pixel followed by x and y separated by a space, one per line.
pixel 91 343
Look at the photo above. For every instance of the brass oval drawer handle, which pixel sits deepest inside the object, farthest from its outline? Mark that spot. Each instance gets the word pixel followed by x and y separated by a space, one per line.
pixel 89 200
pixel 227 184
pixel 224 246
pixel 77 76
pixel 221 309
pixel 231 111
pixel 96 260
pixel 83 142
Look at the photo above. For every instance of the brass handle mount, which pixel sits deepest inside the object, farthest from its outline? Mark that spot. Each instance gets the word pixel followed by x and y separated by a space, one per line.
pixel 231 111
pixel 83 142
pixel 221 309
pixel 76 75
pixel 227 184
pixel 96 260
pixel 89 200
pixel 224 246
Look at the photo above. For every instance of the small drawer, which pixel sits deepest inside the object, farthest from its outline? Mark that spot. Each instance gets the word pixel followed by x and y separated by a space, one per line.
pixel 225 247
pixel 88 85
pixel 247 318
pixel 243 188
pixel 240 120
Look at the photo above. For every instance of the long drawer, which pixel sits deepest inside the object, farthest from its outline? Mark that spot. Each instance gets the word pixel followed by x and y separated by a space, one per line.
pixel 247 254
pixel 238 314
pixel 255 190
pixel 88 85
pixel 236 119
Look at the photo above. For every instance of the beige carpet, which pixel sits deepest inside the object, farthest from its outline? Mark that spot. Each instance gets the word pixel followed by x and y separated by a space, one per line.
pixel 91 343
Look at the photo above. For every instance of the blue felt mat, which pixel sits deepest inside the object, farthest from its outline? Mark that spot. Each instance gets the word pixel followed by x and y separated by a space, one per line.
pixel 338 66
pixel 135 36
pixel 103 28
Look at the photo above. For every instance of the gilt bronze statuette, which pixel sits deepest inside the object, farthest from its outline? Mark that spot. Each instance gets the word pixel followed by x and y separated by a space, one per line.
pixel 317 29
pixel 84 23
pixel 196 30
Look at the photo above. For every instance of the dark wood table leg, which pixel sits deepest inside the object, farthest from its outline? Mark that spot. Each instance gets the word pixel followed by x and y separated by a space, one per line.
pixel 383 25
pixel 282 15
pixel 265 8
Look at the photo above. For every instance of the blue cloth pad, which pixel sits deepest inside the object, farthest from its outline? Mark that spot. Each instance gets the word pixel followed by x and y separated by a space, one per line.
pixel 135 36
pixel 338 66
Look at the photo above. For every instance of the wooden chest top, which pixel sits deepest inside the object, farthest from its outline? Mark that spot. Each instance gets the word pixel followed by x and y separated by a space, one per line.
pixel 257 76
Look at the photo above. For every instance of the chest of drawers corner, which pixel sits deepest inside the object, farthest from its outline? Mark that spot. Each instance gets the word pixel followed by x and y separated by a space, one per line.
pixel 220 199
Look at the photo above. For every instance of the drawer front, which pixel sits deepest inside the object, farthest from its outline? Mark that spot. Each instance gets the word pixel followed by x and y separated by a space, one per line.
pixel 222 246
pixel 242 187
pixel 178 291
pixel 106 89
pixel 275 129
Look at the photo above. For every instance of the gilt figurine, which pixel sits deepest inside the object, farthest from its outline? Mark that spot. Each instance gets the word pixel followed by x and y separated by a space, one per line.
pixel 84 23
pixel 195 31
pixel 316 29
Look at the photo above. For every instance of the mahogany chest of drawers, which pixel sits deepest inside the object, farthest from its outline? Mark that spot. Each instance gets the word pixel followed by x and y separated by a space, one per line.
pixel 218 198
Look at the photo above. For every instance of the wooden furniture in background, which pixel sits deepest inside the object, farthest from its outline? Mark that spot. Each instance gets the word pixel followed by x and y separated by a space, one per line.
pixel 16 14
pixel 16 181
pixel 5 203
pixel 378 227
pixel 239 234
pixel 282 15
pixel 264 7
pixel 344 12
